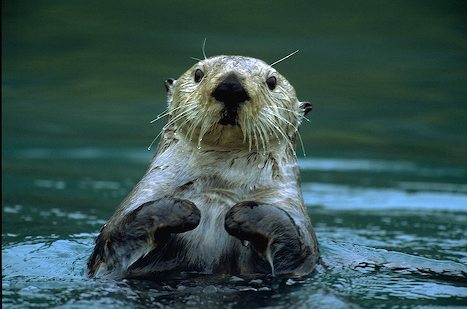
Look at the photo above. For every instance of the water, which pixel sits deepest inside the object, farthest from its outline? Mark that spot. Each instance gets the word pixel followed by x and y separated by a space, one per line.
pixel 385 180
pixel 384 238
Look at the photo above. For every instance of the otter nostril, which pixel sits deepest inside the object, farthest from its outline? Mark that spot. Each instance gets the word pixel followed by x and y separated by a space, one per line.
pixel 230 91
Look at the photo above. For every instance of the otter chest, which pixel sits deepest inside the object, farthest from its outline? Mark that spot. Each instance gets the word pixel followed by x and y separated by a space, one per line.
pixel 209 243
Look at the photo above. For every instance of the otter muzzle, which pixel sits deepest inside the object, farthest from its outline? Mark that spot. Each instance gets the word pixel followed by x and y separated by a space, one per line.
pixel 230 92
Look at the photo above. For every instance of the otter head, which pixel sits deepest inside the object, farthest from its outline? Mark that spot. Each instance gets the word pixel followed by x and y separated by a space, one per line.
pixel 234 102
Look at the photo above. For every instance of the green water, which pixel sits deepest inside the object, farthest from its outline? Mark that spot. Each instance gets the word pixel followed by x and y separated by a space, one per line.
pixel 385 177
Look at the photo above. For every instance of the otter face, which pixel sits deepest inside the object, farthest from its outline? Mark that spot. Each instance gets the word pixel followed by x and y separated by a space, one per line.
pixel 234 102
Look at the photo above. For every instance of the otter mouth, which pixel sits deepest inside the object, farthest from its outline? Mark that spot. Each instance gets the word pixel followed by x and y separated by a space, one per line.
pixel 231 93
pixel 229 117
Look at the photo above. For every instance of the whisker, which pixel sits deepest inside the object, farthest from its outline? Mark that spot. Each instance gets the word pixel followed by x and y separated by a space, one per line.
pixel 275 125
pixel 205 126
pixel 193 126
pixel 154 140
pixel 244 131
pixel 296 130
pixel 283 58
pixel 190 104
pixel 288 109
pixel 301 143
pixel 250 139
pixel 190 129
pixel 294 112
pixel 204 48
pixel 262 139
pixel 286 137
pixel 198 123
pixel 168 112
pixel 161 115
pixel 284 119
pixel 264 127
pixel 171 121
pixel 189 109
pixel 271 124
pixel 261 125
pixel 256 138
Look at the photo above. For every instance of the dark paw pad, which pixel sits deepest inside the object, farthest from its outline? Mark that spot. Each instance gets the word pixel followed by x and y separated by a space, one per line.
pixel 140 231
pixel 272 232
pixel 162 216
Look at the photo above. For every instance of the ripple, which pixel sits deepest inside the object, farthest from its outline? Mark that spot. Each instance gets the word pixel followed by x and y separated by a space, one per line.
pixel 377 166
pixel 349 197
pixel 136 155
pixel 47 271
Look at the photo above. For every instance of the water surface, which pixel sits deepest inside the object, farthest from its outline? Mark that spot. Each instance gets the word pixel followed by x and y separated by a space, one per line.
pixel 389 231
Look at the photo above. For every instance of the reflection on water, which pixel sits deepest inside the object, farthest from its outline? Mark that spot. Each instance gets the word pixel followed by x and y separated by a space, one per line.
pixel 341 196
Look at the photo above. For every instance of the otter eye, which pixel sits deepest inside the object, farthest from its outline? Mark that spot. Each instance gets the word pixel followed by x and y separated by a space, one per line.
pixel 272 82
pixel 198 75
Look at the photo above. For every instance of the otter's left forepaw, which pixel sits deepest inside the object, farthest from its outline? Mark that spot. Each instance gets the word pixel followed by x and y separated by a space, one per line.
pixel 274 235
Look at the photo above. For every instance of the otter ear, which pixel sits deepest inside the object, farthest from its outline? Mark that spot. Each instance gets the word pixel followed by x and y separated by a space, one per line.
pixel 169 83
pixel 306 107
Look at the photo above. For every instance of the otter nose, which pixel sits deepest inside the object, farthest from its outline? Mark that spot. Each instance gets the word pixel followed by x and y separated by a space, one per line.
pixel 231 92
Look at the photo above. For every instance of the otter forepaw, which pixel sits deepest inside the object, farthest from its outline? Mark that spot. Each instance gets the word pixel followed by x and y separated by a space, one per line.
pixel 161 216
pixel 274 237
pixel 121 243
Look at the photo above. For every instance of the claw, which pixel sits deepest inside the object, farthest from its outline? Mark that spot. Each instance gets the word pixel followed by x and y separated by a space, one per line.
pixel 130 240
pixel 274 236
pixel 269 257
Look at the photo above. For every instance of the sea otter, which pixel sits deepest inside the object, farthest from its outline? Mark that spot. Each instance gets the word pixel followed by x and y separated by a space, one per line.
pixel 222 193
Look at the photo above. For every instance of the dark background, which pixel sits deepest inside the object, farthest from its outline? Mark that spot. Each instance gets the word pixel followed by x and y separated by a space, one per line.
pixel 387 78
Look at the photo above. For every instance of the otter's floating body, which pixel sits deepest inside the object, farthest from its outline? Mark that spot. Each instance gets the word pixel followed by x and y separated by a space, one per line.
pixel 222 194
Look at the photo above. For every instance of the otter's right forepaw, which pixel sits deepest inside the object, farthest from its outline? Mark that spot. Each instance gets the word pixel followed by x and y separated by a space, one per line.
pixel 123 242
pixel 163 216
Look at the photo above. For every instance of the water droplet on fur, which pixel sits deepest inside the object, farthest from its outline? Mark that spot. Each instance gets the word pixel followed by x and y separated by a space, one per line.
pixel 290 282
